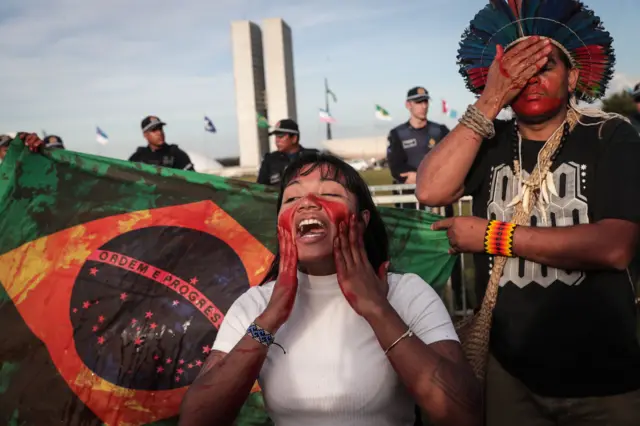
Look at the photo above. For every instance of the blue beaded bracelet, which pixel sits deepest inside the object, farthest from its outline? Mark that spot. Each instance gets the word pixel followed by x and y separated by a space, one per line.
pixel 262 336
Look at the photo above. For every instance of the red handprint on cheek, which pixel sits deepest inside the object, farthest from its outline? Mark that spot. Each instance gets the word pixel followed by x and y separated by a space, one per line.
pixel 285 219
pixel 337 212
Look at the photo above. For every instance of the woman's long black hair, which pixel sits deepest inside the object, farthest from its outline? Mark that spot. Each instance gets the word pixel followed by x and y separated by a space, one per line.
pixel 376 241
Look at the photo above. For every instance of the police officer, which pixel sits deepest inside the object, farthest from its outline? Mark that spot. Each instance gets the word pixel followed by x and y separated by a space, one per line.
pixel 158 152
pixel 635 118
pixel 5 140
pixel 408 144
pixel 411 141
pixel 53 142
pixel 287 137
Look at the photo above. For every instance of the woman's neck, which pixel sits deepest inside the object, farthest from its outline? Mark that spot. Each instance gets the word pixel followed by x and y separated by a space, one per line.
pixel 319 268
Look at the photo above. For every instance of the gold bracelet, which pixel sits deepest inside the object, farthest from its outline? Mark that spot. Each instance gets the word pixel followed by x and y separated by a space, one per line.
pixel 407 333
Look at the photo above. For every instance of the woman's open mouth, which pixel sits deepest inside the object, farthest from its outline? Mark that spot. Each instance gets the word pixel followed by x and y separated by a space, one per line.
pixel 311 230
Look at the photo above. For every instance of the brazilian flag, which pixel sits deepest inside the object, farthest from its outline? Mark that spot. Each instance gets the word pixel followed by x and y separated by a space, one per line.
pixel 115 277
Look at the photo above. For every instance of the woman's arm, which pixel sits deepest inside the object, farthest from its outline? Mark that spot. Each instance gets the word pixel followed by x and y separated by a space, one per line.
pixel 437 375
pixel 218 393
pixel 224 384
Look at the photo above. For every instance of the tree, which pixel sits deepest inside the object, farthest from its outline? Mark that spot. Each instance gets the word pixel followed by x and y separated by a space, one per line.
pixel 622 103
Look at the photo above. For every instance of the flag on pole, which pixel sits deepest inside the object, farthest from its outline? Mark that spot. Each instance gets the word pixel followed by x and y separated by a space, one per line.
pixel 96 328
pixel 101 136
pixel 382 114
pixel 208 125
pixel 263 123
pixel 446 110
pixel 326 117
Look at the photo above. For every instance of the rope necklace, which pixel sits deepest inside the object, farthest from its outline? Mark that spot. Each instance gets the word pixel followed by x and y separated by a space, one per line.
pixel 545 186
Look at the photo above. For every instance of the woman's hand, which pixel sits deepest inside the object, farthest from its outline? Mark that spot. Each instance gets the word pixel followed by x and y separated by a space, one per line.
pixel 365 290
pixel 510 72
pixel 286 286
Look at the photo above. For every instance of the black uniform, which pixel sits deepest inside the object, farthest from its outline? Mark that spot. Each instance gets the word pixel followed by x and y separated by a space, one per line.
pixel 274 163
pixel 635 121
pixel 167 156
pixel 408 146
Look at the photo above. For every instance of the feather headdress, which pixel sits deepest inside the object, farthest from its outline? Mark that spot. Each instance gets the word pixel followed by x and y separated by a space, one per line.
pixel 569 24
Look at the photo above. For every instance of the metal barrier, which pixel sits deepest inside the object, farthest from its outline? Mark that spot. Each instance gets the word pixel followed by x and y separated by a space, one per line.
pixel 383 196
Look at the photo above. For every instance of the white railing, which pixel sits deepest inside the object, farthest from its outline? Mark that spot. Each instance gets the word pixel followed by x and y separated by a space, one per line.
pixel 383 196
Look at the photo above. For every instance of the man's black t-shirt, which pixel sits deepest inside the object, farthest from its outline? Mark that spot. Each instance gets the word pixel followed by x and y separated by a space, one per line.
pixel 564 333
pixel 166 156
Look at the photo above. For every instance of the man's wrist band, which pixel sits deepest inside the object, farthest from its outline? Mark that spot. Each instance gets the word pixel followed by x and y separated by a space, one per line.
pixel 262 336
pixel 474 119
pixel 498 239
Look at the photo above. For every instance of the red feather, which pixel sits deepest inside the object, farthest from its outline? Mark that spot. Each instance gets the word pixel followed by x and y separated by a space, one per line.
pixel 516 6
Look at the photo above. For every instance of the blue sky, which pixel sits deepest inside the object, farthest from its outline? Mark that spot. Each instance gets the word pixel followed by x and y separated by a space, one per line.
pixel 68 65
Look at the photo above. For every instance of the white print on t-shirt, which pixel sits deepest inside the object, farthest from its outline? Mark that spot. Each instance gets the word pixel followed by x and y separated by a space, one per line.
pixel 569 207
pixel 410 143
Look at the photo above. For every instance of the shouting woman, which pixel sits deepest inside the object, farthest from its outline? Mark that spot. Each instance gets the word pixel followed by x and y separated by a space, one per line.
pixel 332 337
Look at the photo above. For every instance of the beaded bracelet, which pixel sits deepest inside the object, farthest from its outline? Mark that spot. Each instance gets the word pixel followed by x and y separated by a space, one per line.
pixel 498 239
pixel 474 119
pixel 262 336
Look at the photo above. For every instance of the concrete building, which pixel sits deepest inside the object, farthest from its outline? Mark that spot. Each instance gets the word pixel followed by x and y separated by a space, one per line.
pixel 371 148
pixel 279 72
pixel 249 80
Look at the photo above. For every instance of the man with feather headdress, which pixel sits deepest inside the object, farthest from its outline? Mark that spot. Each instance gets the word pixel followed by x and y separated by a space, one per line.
pixel 556 217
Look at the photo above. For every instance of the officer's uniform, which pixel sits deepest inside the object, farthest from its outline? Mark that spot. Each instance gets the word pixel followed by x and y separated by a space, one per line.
pixel 53 142
pixel 167 155
pixel 408 146
pixel 274 163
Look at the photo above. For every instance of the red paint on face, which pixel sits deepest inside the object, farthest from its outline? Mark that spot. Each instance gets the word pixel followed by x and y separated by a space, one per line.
pixel 542 96
pixel 285 220
pixel 337 212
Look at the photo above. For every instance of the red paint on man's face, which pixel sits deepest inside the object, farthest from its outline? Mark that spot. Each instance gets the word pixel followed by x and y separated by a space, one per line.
pixel 546 92
pixel 538 98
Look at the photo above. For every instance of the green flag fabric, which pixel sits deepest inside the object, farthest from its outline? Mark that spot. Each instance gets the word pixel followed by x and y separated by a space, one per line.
pixel 116 276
